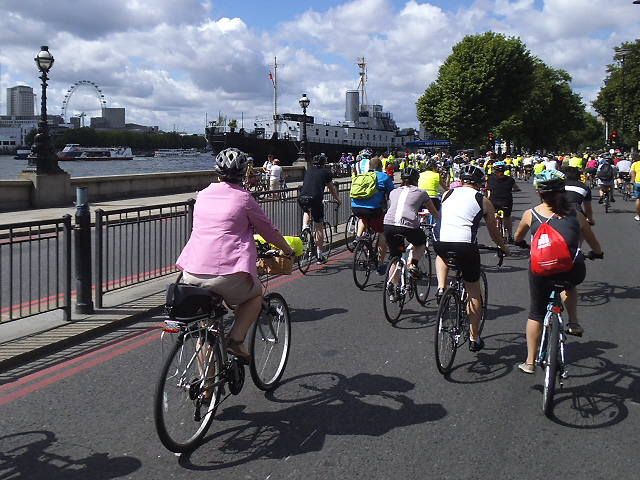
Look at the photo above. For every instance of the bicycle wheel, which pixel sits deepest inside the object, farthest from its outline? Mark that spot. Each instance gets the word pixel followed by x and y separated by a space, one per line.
pixel 393 301
pixel 308 254
pixel 270 342
pixel 350 232
pixel 422 285
pixel 181 416
pixel 551 366
pixel 607 202
pixel 484 292
pixel 449 312
pixel 328 239
pixel 362 264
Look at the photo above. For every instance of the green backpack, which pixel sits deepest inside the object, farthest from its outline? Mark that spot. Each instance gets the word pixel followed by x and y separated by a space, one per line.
pixel 364 186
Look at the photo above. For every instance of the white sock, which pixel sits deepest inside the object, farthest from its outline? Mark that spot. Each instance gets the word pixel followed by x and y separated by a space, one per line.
pixel 319 252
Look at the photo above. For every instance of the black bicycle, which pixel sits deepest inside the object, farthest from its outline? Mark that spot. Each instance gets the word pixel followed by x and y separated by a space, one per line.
pixel 453 323
pixel 365 257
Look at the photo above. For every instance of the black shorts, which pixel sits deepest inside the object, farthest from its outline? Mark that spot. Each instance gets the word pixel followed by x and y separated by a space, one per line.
pixel 468 258
pixel 505 208
pixel 539 292
pixel 415 236
pixel 313 206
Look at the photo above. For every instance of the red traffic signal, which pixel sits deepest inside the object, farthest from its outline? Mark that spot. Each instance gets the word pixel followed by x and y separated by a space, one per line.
pixel 491 137
pixel 614 134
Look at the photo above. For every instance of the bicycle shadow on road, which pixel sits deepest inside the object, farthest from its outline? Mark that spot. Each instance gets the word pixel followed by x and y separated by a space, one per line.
pixel 597 390
pixel 39 454
pixel 303 315
pixel 498 359
pixel 592 293
pixel 313 406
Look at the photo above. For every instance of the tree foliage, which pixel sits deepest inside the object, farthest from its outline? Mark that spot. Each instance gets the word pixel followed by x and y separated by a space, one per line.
pixel 481 84
pixel 619 100
pixel 550 111
pixel 88 137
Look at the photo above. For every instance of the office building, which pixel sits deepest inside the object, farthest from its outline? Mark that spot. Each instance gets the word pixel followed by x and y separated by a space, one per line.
pixel 20 101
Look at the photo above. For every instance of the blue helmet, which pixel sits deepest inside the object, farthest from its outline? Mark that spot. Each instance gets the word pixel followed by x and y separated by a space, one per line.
pixel 550 181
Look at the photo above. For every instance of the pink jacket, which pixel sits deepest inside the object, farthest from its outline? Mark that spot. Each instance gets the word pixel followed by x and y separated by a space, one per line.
pixel 221 241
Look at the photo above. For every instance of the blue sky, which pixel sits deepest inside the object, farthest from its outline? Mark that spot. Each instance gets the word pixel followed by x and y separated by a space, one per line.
pixel 178 63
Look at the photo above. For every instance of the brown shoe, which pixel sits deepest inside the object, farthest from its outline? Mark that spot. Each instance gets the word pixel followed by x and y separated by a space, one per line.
pixel 237 348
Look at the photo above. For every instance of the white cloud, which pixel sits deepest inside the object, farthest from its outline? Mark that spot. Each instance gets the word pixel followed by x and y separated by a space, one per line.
pixel 168 63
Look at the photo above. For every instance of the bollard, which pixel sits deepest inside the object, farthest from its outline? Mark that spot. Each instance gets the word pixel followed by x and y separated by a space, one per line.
pixel 82 250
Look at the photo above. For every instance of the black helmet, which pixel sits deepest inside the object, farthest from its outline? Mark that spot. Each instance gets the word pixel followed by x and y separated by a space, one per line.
pixel 431 164
pixel 319 159
pixel 472 174
pixel 550 181
pixel 231 164
pixel 410 174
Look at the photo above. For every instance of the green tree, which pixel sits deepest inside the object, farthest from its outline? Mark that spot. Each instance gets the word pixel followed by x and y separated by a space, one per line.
pixel 481 84
pixel 550 111
pixel 619 100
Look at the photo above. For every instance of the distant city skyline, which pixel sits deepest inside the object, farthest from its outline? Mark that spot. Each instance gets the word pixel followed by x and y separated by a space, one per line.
pixel 177 63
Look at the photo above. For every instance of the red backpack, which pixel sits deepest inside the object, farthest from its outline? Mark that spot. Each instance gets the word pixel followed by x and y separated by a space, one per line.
pixel 549 250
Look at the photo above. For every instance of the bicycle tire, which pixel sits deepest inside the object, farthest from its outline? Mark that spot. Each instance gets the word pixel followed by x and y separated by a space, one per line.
pixel 551 365
pixel 308 245
pixel 448 318
pixel 484 289
pixel 328 239
pixel 180 422
pixel 392 308
pixel 422 285
pixel 362 263
pixel 270 342
pixel 607 202
pixel 350 232
pixel 625 192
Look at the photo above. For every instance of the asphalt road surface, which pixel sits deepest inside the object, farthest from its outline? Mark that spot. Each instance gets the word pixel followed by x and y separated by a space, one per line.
pixel 360 398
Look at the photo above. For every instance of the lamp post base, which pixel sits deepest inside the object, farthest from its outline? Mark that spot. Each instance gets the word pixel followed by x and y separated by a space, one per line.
pixel 302 161
pixel 49 189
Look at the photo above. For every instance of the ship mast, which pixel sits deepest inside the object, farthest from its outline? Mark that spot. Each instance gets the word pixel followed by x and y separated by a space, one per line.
pixel 274 80
pixel 364 103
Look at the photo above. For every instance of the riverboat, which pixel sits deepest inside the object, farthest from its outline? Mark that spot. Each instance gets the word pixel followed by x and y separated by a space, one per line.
pixel 177 152
pixel 22 153
pixel 365 126
pixel 73 151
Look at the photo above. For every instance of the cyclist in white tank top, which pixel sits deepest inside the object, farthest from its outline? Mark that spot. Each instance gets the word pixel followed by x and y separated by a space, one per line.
pixel 456 230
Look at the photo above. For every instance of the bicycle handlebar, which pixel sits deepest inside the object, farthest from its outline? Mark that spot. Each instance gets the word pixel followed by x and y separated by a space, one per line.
pixel 590 255
pixel 498 251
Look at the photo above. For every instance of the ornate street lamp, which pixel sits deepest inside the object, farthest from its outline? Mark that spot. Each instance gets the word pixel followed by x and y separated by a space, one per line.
pixel 303 154
pixel 43 158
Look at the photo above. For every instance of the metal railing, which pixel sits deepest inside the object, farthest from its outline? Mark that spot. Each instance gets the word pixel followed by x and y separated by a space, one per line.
pixel 136 244
pixel 131 246
pixel 35 261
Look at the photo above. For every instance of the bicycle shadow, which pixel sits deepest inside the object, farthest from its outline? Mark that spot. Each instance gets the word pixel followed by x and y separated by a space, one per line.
pixel 495 361
pixel 39 454
pixel 592 293
pixel 596 390
pixel 316 406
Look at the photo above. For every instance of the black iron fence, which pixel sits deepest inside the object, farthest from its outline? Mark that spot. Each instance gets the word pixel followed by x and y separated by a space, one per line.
pixel 130 246
pixel 35 266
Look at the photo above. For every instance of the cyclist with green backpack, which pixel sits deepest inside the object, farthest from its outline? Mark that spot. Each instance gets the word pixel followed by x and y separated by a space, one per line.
pixel 369 193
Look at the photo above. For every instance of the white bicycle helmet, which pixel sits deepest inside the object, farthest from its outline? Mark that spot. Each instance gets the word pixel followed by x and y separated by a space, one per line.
pixel 231 164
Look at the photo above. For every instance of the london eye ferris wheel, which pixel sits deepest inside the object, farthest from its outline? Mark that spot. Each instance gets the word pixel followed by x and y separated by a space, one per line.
pixel 87 97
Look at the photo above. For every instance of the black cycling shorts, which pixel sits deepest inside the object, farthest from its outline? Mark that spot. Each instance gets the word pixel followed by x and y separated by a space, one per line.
pixel 415 236
pixel 540 293
pixel 313 206
pixel 468 258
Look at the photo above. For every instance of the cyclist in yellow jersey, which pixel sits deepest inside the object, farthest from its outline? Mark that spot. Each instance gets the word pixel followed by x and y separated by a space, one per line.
pixel 538 167
pixel 575 161
pixel 430 181
pixel 635 179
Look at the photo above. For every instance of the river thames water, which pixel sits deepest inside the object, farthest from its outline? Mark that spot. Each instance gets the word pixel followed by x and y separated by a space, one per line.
pixel 9 167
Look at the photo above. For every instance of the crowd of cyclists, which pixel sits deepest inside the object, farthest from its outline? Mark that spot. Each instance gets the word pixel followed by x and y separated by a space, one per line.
pixel 459 192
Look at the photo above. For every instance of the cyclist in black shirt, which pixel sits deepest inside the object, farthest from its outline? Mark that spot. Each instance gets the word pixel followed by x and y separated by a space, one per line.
pixel 501 188
pixel 310 199
pixel 578 193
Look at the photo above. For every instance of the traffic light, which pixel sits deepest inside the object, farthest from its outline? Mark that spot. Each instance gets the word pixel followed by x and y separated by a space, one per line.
pixel 614 135
pixel 491 137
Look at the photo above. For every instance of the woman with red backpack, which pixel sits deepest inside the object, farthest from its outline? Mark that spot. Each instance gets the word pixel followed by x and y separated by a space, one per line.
pixel 555 215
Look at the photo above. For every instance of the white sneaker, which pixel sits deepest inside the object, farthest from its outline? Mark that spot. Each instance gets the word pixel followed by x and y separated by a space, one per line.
pixel 637 218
